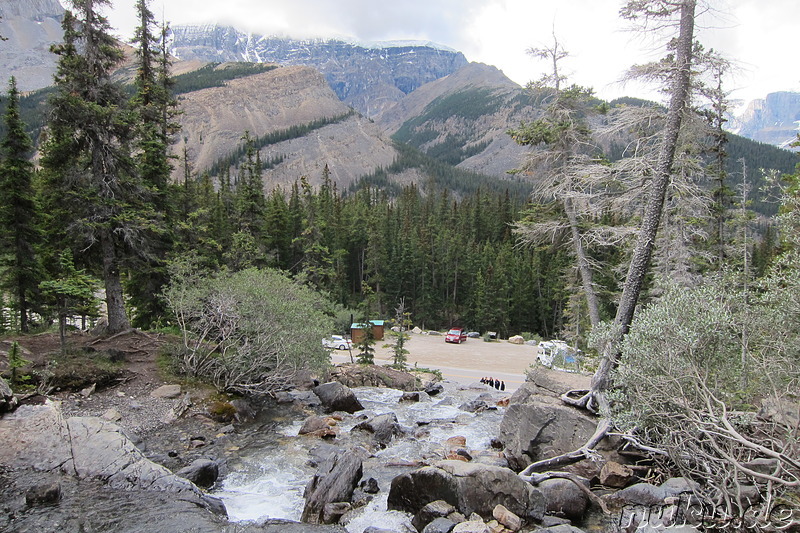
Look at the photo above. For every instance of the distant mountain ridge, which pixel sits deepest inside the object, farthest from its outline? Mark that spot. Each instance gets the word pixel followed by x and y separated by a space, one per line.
pixel 773 120
pixel 30 26
pixel 370 77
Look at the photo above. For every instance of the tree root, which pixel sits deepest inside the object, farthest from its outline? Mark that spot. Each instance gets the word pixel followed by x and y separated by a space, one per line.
pixel 535 479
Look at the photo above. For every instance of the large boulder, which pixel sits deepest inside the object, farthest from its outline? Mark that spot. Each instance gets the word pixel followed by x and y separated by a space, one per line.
pixel 91 448
pixel 337 397
pixel 357 375
pixel 382 427
pixel 469 487
pixel 334 482
pixel 537 425
pixel 564 498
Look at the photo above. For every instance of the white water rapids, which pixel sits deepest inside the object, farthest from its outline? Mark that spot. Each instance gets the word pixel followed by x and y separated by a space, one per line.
pixel 269 482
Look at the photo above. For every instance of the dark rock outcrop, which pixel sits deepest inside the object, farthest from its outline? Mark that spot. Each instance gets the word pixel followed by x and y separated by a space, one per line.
pixel 337 397
pixel 201 472
pixel 334 482
pixel 469 487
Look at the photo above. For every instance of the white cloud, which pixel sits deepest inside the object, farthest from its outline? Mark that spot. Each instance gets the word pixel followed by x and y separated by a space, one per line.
pixel 759 34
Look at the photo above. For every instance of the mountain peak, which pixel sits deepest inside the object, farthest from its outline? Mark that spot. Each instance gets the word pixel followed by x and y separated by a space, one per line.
pixel 396 68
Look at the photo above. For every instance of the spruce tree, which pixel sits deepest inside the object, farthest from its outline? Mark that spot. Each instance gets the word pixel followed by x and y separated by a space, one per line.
pixel 19 234
pixel 153 106
pixel 90 170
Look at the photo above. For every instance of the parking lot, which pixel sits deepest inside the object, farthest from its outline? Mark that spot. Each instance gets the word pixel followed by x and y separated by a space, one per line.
pixel 496 358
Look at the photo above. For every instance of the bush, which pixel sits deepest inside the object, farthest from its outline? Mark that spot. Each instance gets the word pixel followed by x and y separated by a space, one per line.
pixel 708 375
pixel 250 331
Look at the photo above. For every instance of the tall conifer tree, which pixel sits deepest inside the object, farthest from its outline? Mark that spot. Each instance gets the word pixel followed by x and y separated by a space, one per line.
pixel 19 235
pixel 88 158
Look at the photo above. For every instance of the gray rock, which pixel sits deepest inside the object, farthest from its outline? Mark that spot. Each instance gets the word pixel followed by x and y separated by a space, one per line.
pixel 334 482
pixel 201 472
pixel 470 487
pixel 410 397
pixel 439 525
pixel 474 406
pixel 432 389
pixel 336 397
pixel 537 426
pixel 166 391
pixel 431 511
pixel 472 526
pixel 563 498
pixel 47 494
pixel 383 428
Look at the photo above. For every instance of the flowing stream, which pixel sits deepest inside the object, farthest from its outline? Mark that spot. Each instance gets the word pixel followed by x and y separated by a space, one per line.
pixel 268 481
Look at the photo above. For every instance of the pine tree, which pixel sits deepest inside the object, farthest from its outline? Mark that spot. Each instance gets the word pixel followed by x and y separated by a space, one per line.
pixel 19 234
pixel 106 208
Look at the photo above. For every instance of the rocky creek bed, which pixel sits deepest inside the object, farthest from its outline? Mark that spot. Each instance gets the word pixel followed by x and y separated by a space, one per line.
pixel 148 456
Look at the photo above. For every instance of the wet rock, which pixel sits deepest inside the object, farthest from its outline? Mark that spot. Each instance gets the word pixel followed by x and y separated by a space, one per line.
pixel 332 512
pixel 439 525
pixel 370 486
pixel 47 494
pixel 201 472
pixel 245 412
pixel 318 426
pixel 410 397
pixel 561 528
pixel 304 397
pixel 383 428
pixel 335 481
pixel 336 397
pixel 643 494
pixel 432 389
pixel 432 511
pixel 470 487
pixel 564 498
pixel 166 391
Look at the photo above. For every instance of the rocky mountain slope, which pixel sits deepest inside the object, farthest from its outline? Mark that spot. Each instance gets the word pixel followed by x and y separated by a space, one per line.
pixel 464 117
pixel 30 26
pixel 214 120
pixel 368 77
pixel 773 120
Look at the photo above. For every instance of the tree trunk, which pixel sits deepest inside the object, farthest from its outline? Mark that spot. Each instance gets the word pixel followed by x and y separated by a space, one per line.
pixel 640 262
pixel 115 303
pixel 584 268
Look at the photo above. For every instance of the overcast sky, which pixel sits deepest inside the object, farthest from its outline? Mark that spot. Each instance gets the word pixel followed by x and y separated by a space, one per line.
pixel 761 36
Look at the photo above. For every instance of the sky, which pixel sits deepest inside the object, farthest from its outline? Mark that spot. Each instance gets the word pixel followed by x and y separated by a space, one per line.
pixel 758 36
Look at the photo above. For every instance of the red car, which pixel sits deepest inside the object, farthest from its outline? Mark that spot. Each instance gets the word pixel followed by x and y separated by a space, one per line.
pixel 456 335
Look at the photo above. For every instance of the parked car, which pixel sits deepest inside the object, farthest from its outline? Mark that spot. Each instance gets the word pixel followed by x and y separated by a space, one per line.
pixel 456 335
pixel 337 342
